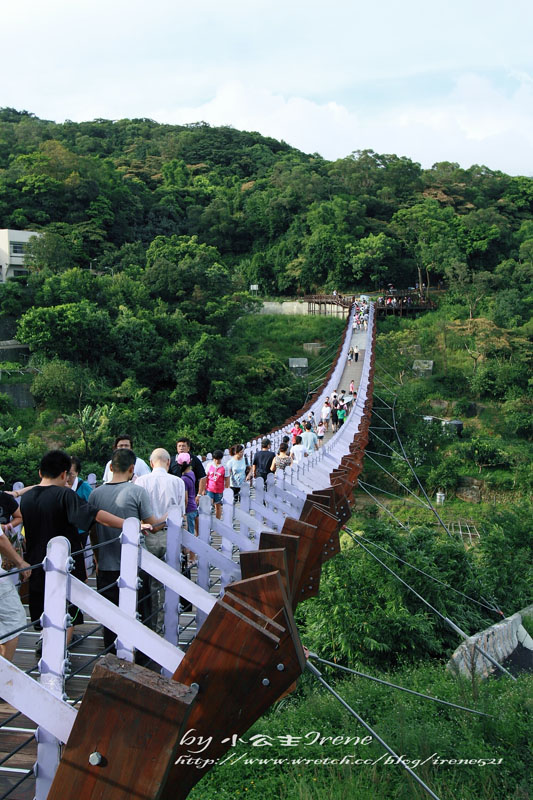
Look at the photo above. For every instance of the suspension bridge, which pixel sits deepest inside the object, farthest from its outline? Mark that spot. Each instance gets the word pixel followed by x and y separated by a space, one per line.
pixel 230 648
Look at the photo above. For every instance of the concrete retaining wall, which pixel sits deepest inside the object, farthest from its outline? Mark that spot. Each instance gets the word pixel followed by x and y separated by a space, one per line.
pixel 19 393
pixel 300 307
pixel 499 641
pixel 288 307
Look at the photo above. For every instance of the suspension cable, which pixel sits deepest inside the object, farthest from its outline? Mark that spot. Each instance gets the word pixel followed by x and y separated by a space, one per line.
pixel 395 686
pixel 384 508
pixel 384 491
pixel 371 731
pixel 398 481
pixel 417 569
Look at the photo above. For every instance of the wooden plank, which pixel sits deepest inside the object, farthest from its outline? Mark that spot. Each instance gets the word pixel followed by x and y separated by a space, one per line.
pixel 307 551
pixel 325 545
pixel 134 719
pixel 290 544
pixel 240 671
pixel 261 561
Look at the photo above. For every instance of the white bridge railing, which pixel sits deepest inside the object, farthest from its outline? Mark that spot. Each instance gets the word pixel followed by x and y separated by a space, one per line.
pixel 216 547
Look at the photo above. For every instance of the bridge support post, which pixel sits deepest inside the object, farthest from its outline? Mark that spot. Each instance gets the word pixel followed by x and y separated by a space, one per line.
pixel 125 735
pixel 52 664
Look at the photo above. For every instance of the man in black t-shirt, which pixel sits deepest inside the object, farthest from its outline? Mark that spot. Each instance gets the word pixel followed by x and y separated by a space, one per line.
pixel 183 445
pixel 52 509
pixel 263 460
pixel 9 508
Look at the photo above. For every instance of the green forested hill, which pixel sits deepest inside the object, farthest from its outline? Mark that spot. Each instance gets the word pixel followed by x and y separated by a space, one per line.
pixel 284 219
pixel 137 317
pixel 152 233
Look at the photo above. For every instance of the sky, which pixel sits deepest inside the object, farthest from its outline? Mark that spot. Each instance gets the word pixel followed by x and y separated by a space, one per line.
pixel 434 81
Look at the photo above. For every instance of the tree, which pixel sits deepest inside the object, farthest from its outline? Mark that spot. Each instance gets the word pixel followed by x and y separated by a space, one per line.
pixel 63 386
pixel 430 234
pixel 50 251
pixel 467 285
pixel 176 264
pixel 71 331
pixel 321 254
pixel 88 421
pixel 368 257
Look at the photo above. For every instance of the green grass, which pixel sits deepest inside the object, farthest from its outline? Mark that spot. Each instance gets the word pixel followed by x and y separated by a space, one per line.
pixel 413 727
pixel 284 334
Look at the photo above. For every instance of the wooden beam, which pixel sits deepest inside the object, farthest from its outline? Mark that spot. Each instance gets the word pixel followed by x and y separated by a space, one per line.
pixel 241 664
pixel 125 736
pixel 258 562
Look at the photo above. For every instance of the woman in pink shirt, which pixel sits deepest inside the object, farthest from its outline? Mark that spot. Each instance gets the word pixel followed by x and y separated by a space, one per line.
pixel 215 481
pixel 296 431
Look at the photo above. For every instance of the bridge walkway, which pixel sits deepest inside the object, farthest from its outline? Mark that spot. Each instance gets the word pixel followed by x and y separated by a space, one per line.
pixel 218 565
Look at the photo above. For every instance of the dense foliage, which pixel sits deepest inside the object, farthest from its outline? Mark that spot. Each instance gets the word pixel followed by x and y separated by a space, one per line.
pixel 138 319
pixel 119 196
pixel 152 233
pixel 465 756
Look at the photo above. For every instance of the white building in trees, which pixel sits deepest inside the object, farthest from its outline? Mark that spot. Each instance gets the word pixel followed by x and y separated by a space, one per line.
pixel 12 249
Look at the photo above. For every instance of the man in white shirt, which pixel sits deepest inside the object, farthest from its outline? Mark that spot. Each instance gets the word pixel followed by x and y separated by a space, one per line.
pixel 165 492
pixel 125 442
pixel 298 451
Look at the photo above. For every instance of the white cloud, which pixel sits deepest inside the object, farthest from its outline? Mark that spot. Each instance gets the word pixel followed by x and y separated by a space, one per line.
pixel 475 123
pixel 447 81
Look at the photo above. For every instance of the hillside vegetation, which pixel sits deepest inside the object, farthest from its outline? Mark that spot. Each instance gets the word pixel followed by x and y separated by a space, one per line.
pixel 138 319
pixel 152 234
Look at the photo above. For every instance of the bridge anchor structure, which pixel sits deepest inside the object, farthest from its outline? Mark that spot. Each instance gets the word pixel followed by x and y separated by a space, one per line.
pixel 126 738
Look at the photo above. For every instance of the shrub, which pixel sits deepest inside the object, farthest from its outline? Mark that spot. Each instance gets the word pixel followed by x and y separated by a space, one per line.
pixel 365 614
pixel 485 452
pixel 445 475
pixel 465 408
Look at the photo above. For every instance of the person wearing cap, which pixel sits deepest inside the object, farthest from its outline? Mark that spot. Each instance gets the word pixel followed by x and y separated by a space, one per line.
pixel 263 460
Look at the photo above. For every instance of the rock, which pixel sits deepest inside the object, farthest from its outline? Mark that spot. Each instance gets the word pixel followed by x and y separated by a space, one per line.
pixel 439 404
pixel 472 495
pixel 469 489
pixel 500 641
pixel 313 347
pixel 423 368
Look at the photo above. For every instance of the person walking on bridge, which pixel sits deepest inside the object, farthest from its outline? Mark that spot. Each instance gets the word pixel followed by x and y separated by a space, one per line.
pixel 183 445
pixel 309 439
pixel 52 509
pixel 120 496
pixel 263 460
pixel 165 492
pixel 326 413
